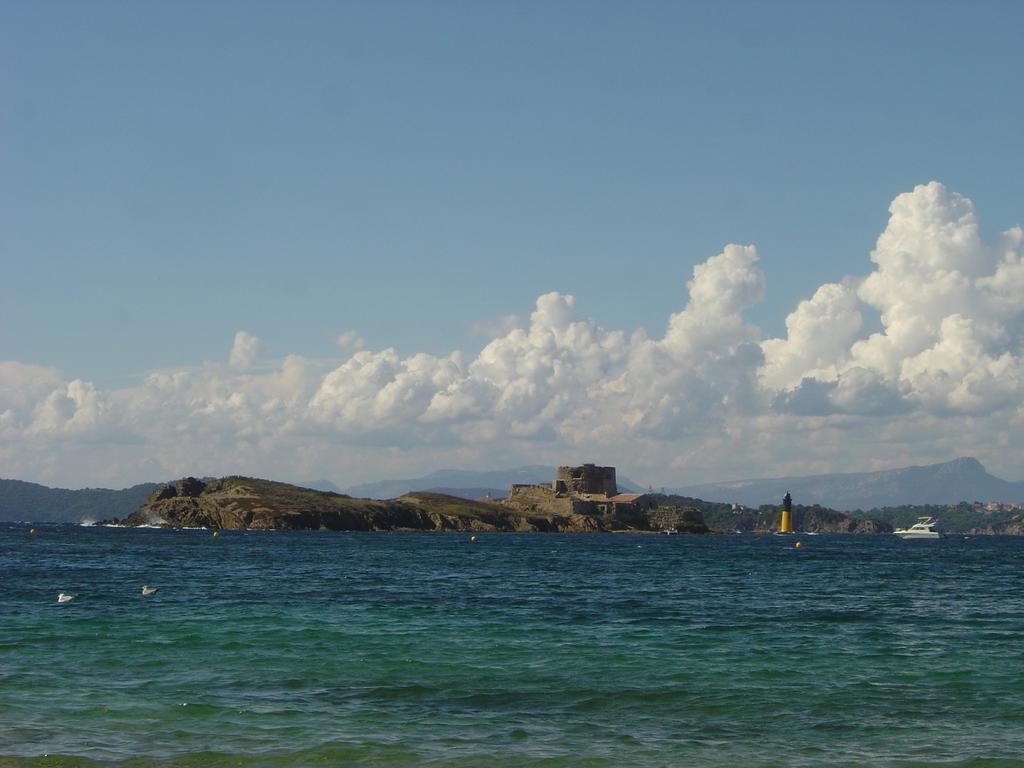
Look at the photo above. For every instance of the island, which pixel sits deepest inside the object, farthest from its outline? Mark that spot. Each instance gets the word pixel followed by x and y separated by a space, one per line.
pixel 581 499
pixel 254 504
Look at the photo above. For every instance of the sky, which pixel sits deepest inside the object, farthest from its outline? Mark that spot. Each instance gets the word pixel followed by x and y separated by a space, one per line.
pixel 353 241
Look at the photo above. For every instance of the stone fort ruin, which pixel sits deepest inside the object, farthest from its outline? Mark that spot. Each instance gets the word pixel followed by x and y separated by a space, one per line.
pixel 586 479
pixel 585 490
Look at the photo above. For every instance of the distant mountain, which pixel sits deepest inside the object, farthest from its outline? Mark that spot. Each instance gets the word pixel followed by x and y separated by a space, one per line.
pixel 963 479
pixel 320 485
pixel 30 502
pixel 460 481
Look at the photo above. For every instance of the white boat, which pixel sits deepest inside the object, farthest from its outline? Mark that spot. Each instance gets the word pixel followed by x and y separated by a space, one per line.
pixel 924 528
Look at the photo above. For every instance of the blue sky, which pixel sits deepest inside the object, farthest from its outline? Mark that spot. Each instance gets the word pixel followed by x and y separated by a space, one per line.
pixel 172 174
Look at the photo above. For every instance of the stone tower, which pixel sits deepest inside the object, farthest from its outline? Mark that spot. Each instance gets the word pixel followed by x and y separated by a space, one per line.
pixel 586 479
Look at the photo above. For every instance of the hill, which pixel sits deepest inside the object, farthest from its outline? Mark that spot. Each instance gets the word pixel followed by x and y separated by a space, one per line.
pixel 963 479
pixel 30 502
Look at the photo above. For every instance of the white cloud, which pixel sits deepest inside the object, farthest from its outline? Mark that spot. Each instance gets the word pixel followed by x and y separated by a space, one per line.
pixel 532 379
pixel 22 388
pixel 951 322
pixel 350 341
pixel 75 409
pixel 245 351
pixel 380 390
pixel 710 398
pixel 704 367
pixel 819 333
pixel 957 373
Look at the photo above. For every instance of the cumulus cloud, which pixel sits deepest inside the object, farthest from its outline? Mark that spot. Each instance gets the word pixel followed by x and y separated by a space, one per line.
pixel 246 350
pixel 533 378
pixel 705 365
pixel 350 341
pixel 521 384
pixel 819 333
pixel 709 397
pixel 75 409
pixel 380 390
pixel 22 385
pixel 951 327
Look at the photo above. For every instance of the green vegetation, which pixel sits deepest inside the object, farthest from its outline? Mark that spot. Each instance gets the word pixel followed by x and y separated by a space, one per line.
pixel 724 518
pixel 965 517
pixel 682 519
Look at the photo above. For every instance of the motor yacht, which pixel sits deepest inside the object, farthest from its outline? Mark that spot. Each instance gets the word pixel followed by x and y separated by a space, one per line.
pixel 924 528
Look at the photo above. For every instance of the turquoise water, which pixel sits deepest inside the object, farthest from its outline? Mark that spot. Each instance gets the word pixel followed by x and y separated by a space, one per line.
pixel 319 649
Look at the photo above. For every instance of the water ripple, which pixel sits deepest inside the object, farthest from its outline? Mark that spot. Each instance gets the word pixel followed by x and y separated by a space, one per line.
pixel 306 648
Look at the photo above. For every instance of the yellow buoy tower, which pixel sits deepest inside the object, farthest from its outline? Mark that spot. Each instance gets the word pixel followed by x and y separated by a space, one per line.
pixel 787 508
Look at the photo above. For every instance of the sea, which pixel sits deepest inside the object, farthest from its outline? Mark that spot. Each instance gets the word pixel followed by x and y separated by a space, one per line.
pixel 540 650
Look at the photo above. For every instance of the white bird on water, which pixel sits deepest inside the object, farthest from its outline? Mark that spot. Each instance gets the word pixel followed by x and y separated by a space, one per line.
pixel 64 597
pixel 149 590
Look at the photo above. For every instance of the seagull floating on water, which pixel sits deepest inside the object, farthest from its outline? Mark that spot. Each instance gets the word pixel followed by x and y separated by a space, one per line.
pixel 64 597
pixel 149 590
